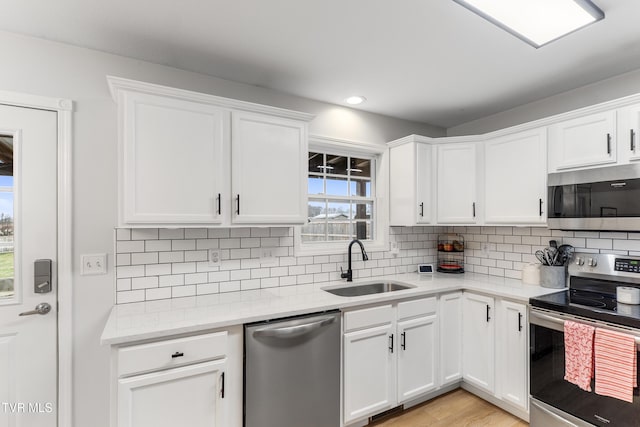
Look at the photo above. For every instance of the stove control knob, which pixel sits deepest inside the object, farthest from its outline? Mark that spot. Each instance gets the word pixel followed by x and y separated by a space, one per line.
pixel 579 261
pixel 592 262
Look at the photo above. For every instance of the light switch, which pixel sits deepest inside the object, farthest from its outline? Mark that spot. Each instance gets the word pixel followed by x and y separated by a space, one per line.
pixel 93 264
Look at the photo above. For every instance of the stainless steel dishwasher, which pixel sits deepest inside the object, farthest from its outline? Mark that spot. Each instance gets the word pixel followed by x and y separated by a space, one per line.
pixel 292 372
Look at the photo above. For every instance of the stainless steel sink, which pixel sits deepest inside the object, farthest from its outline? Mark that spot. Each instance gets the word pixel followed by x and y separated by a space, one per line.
pixel 367 289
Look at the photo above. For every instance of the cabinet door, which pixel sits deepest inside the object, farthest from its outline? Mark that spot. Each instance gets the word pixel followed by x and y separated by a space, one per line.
pixel 417 357
pixel 456 183
pixel 450 313
pixel 515 178
pixel 268 164
pixel 189 396
pixel 628 133
pixel 582 142
pixel 512 353
pixel 478 340
pixel 424 181
pixel 172 160
pixel 368 372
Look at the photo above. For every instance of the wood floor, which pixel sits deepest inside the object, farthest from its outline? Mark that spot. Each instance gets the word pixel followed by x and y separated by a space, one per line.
pixel 456 408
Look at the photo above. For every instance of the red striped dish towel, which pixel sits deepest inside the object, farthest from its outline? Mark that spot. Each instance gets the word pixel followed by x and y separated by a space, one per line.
pixel 616 364
pixel 578 354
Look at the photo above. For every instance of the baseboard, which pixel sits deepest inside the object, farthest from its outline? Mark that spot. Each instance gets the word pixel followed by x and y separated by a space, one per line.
pixel 524 415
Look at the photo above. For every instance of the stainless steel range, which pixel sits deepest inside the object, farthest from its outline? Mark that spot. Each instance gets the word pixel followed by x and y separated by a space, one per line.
pixel 591 299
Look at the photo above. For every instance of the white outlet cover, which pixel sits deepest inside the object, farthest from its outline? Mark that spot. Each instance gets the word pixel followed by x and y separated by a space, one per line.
pixel 93 264
pixel 214 257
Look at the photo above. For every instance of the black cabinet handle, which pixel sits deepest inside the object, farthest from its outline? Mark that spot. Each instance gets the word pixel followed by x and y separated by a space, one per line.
pixel 219 204
pixel 403 342
pixel 177 354
pixel 238 204
pixel 608 143
pixel 422 209
pixel 391 345
pixel 540 206
pixel 222 388
pixel 519 322
pixel 632 138
pixel 473 206
pixel 488 315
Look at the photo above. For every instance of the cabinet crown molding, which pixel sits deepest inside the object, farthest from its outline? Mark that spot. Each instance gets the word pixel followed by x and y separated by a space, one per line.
pixel 117 84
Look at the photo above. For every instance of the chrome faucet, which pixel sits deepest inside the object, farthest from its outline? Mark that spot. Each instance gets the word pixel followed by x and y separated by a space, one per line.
pixel 349 274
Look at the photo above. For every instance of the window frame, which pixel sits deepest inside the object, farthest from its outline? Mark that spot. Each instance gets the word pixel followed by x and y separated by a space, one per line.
pixel 380 216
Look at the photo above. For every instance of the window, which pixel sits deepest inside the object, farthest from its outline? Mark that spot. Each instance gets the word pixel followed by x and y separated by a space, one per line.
pixel 6 217
pixel 341 203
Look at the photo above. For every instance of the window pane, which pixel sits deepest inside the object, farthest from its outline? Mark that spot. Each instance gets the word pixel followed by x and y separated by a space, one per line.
pixel 338 211
pixel 339 230
pixel 316 211
pixel 316 162
pixel 363 230
pixel 336 165
pixel 6 217
pixel 316 185
pixel 314 232
pixel 362 210
pixel 337 186
pixel 360 167
pixel 360 188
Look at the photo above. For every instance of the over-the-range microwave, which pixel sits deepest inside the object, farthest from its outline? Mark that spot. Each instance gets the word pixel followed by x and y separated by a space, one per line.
pixel 605 199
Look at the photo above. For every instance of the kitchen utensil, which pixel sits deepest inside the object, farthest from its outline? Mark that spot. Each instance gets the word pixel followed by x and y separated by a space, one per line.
pixel 541 257
pixel 553 244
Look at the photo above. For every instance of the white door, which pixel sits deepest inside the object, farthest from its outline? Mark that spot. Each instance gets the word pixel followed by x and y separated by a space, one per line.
pixel 28 356
pixel 516 178
pixel 417 349
pixel 478 338
pixel 368 371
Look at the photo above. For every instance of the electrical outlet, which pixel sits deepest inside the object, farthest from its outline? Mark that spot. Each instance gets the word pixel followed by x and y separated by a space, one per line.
pixel 268 257
pixel 394 248
pixel 214 257
pixel 93 264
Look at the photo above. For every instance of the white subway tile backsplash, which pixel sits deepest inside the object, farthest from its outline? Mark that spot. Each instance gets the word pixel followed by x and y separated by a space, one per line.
pixel 149 260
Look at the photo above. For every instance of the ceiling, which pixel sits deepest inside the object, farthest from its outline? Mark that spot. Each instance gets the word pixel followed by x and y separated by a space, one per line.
pixel 431 61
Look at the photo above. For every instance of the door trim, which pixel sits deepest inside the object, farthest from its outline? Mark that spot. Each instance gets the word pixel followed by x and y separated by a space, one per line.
pixel 64 110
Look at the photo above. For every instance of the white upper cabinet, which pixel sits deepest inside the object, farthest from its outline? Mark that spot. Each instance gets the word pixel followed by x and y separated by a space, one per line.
pixel 172 160
pixel 411 181
pixel 629 134
pixel 515 178
pixel 269 169
pixel 456 183
pixel 184 157
pixel 583 142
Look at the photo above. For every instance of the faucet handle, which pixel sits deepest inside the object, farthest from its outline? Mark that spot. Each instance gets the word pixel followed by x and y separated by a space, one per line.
pixel 343 275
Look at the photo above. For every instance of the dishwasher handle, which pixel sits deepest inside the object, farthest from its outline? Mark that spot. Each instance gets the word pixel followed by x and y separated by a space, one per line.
pixel 293 331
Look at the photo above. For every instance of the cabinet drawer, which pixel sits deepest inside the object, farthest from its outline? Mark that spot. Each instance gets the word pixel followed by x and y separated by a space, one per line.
pixel 415 308
pixel 368 317
pixel 169 353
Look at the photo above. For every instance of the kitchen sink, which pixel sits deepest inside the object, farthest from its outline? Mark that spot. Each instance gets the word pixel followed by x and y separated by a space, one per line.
pixel 367 289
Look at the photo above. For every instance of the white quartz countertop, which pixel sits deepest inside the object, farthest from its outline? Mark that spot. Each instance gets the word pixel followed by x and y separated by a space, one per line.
pixel 155 319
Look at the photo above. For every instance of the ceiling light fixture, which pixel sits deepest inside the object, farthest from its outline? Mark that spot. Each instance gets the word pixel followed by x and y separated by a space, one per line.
pixel 537 22
pixel 355 100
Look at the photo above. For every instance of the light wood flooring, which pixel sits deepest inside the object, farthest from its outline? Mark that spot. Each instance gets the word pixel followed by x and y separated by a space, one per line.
pixel 456 408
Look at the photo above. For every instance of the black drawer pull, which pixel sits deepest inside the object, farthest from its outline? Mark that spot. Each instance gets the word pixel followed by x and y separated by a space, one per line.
pixel 488 316
pixel 519 322
pixel 391 345
pixel 177 354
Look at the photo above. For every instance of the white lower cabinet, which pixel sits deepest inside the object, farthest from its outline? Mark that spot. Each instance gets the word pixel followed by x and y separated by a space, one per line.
pixel 478 340
pixel 389 356
pixel 194 381
pixel 450 315
pixel 512 356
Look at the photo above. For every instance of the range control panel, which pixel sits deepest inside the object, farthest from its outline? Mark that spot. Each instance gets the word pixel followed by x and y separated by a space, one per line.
pixel 628 265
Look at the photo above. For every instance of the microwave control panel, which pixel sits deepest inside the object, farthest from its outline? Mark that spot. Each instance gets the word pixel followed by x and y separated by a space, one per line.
pixel 627 265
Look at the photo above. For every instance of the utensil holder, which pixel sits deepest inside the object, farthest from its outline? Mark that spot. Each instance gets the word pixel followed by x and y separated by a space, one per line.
pixel 553 276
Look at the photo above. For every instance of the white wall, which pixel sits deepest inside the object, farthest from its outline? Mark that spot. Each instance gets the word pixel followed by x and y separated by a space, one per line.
pixel 605 90
pixel 51 69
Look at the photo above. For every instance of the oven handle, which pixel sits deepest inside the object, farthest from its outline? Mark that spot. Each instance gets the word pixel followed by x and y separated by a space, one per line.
pixel 555 321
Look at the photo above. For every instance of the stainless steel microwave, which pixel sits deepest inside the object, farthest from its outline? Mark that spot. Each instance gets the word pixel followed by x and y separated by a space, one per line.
pixel 605 199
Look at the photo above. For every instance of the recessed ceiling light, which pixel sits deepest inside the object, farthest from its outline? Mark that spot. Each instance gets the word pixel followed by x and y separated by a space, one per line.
pixel 355 100
pixel 537 22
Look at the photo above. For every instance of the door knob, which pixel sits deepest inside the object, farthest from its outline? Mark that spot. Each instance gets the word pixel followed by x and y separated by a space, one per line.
pixel 42 308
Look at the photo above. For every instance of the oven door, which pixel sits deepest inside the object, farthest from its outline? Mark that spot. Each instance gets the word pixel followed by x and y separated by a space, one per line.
pixel 547 384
